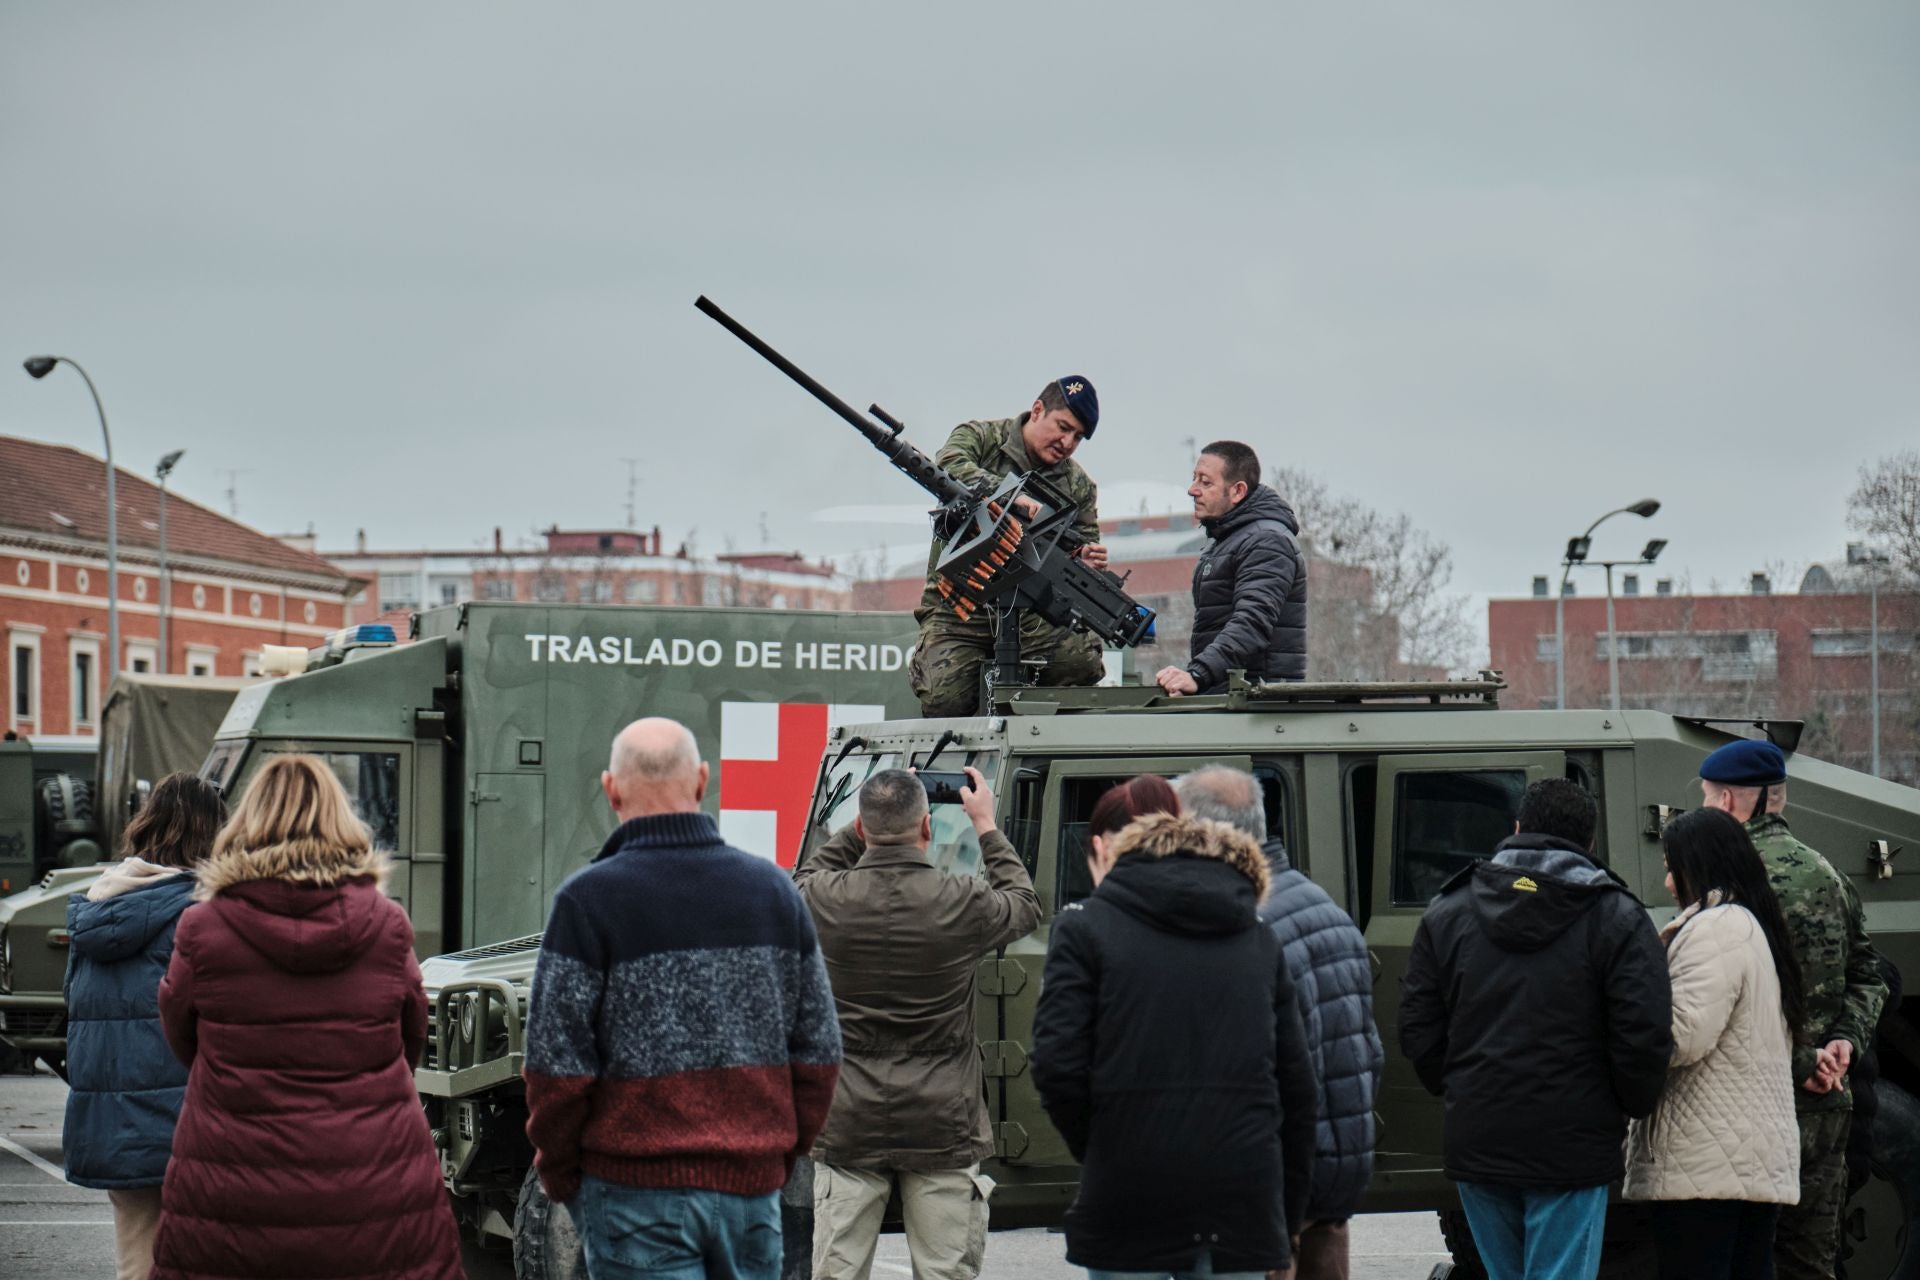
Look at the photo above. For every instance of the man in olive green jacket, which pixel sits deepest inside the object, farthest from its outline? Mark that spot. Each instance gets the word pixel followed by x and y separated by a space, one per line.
pixel 945 671
pixel 1844 992
pixel 902 940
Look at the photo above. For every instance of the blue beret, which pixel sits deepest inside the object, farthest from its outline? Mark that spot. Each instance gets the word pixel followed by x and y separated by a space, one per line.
pixel 1082 400
pixel 1747 763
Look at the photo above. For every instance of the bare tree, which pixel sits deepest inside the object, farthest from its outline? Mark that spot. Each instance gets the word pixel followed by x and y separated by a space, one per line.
pixel 1885 507
pixel 1404 620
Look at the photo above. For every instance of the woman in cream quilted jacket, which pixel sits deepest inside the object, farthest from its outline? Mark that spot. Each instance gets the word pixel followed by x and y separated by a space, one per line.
pixel 1721 1152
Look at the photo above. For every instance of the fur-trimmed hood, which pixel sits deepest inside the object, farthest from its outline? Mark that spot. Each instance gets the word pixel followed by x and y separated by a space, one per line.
pixel 305 906
pixel 302 861
pixel 1187 875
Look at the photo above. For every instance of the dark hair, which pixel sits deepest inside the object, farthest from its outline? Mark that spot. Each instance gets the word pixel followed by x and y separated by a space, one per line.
pixel 1707 851
pixel 1558 807
pixel 177 824
pixel 1134 798
pixel 1238 462
pixel 892 802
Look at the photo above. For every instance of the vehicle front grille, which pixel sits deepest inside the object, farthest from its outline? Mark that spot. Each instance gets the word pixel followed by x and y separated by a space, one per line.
pixel 35 1022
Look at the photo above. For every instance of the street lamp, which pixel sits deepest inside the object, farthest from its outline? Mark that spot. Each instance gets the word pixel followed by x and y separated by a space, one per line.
pixel 164 470
pixel 1577 549
pixel 39 367
pixel 1872 558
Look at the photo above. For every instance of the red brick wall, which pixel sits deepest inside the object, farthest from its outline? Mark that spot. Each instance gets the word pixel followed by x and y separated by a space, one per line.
pixel 222 619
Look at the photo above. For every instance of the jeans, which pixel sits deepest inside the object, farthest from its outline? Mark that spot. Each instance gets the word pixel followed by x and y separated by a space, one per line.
pixel 676 1233
pixel 1536 1235
pixel 1714 1239
pixel 1202 1270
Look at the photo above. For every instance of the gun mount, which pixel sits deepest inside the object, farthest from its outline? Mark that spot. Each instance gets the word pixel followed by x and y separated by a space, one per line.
pixel 995 558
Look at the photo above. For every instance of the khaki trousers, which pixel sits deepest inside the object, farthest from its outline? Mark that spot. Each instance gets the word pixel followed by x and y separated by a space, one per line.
pixel 945 1213
pixel 136 1216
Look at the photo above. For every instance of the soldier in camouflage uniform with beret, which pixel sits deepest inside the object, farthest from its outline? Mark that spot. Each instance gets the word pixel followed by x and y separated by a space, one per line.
pixel 1844 994
pixel 946 666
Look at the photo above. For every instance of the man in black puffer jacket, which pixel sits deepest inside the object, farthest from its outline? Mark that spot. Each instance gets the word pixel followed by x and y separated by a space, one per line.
pixel 1250 587
pixel 1536 1001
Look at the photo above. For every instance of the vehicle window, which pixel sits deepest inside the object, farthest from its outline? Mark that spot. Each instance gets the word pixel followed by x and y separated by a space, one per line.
pixel 955 847
pixel 1444 821
pixel 222 768
pixel 1279 807
pixel 1077 798
pixel 372 781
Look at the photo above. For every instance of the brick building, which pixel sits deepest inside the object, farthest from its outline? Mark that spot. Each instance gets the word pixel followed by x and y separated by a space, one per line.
pixel 585 566
pixel 1156 555
pixel 1803 655
pixel 234 589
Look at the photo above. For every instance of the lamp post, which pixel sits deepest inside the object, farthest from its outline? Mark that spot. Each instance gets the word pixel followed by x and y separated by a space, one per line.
pixel 1647 556
pixel 164 470
pixel 1576 554
pixel 1872 558
pixel 39 367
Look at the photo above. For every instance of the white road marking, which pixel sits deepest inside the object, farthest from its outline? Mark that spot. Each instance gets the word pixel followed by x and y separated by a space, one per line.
pixel 51 1170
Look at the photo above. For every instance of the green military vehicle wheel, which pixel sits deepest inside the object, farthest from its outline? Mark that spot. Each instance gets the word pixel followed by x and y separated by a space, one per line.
pixel 545 1244
pixel 1880 1235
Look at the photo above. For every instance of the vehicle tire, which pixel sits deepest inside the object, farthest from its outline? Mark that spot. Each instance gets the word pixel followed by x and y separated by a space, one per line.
pixel 1459 1241
pixel 1880 1233
pixel 796 1223
pixel 56 1063
pixel 545 1244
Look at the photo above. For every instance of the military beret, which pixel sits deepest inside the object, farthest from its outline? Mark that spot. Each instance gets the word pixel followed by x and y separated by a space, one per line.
pixel 1747 763
pixel 1082 400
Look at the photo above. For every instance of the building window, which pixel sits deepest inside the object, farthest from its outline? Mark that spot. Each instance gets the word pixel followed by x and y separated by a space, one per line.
pixel 446 589
pixel 499 588
pixel 141 657
pixel 399 591
pixel 713 591
pixel 200 661
pixel 250 663
pixel 602 591
pixel 24 705
pixel 1722 655
pixel 1546 648
pixel 642 591
pixel 549 588
pixel 1836 643
pixel 85 686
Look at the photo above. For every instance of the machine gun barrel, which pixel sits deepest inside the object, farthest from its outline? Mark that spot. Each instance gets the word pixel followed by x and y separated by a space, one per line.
pixel 924 471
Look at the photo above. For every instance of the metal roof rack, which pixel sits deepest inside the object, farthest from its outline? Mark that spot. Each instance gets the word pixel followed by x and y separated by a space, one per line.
pixel 1483 691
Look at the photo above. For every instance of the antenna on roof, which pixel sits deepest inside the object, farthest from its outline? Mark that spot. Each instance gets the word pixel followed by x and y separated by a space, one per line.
pixel 633 488
pixel 233 489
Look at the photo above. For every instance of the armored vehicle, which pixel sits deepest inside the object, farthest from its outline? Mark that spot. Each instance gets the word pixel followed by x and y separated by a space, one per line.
pixel 1381 793
pixel 46 807
pixel 150 726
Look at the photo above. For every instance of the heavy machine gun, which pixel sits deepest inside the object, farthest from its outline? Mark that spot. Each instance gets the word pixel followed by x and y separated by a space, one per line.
pixel 998 559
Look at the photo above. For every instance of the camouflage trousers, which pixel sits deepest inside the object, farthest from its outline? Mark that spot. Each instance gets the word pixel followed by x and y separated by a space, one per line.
pixel 946 665
pixel 1806 1246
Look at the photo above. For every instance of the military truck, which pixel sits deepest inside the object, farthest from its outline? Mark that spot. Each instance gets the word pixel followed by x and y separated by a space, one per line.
pixel 150 726
pixel 1382 792
pixel 46 807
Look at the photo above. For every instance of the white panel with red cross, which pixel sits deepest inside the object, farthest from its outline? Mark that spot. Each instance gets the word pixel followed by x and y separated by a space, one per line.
pixel 769 760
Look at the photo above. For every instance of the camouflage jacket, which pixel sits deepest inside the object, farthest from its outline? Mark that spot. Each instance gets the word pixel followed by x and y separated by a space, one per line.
pixel 1838 966
pixel 980 455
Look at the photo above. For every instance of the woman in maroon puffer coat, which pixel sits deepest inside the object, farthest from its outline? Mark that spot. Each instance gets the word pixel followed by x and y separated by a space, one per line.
pixel 295 1001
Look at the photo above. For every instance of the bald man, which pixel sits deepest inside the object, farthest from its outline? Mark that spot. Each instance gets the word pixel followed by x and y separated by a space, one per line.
pixel 682 1046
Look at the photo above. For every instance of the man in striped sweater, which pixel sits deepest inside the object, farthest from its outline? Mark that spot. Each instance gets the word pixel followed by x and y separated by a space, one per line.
pixel 681 1046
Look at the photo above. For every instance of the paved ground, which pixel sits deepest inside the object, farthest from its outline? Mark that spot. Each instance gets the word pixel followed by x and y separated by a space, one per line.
pixel 52 1231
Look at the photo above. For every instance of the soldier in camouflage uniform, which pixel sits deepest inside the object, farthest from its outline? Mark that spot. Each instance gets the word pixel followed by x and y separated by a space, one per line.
pixel 946 666
pixel 1844 994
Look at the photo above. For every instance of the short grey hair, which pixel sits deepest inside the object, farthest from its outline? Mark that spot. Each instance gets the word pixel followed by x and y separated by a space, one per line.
pixel 892 802
pixel 675 757
pixel 1219 793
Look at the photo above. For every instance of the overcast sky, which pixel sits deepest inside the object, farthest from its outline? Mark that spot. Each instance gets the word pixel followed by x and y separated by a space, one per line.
pixel 425 270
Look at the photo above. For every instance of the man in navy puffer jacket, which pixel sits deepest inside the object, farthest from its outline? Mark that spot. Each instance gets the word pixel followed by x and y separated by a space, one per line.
pixel 125 1085
pixel 1333 985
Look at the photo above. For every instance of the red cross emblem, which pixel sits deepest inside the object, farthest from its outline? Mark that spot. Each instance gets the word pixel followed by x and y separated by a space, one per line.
pixel 769 759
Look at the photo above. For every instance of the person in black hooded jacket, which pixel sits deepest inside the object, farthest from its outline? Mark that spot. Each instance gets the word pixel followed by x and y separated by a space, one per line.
pixel 1250 586
pixel 1169 1053
pixel 1536 1001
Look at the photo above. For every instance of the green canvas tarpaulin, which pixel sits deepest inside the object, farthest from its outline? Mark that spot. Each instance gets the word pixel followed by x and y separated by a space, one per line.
pixel 152 726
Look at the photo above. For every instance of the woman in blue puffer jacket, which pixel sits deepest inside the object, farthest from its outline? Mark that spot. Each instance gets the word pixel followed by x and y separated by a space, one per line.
pixel 126 1085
